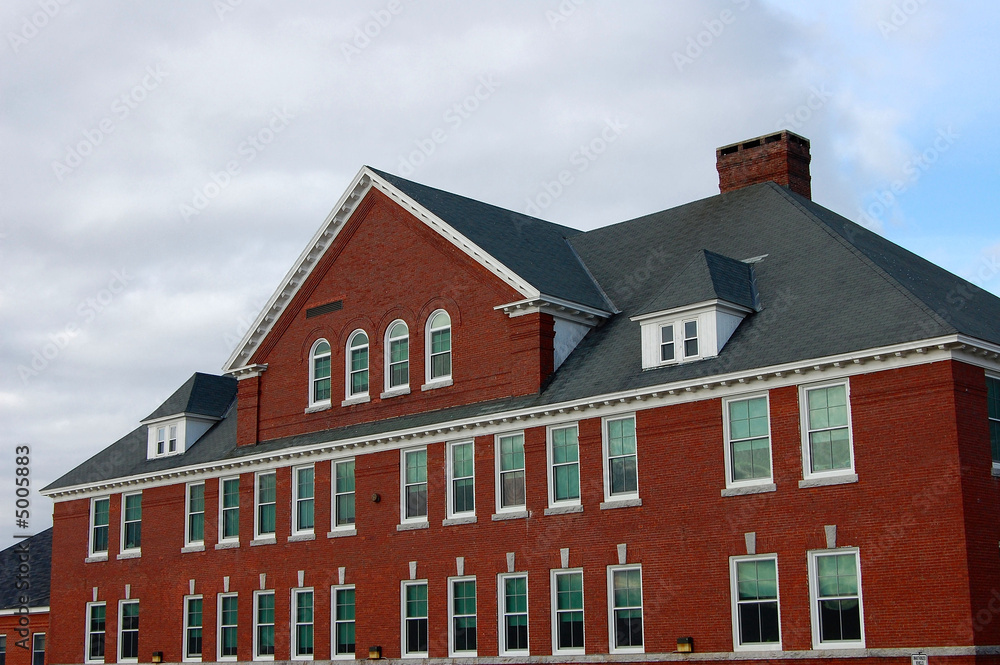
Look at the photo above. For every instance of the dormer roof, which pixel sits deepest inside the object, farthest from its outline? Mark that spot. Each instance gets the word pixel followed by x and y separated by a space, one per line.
pixel 201 395
pixel 706 277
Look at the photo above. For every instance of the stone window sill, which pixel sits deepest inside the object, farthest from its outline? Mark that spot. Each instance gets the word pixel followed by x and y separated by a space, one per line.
pixel 829 480
pixel 513 515
pixel 749 489
pixel 564 510
pixel 621 503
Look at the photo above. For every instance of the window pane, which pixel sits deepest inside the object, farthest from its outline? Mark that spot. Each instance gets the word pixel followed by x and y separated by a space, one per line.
pixel 266 488
pixel 416 466
pixel 564 445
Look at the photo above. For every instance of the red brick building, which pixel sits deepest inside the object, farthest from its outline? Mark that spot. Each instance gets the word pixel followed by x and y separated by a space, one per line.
pixel 25 572
pixel 744 428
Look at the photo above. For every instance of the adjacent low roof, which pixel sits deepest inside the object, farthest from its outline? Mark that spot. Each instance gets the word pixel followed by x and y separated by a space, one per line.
pixel 36 551
pixel 825 286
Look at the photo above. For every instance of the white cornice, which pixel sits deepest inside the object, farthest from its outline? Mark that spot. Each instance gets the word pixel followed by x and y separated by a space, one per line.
pixel 722 385
pixel 557 307
pixel 705 305
pixel 178 416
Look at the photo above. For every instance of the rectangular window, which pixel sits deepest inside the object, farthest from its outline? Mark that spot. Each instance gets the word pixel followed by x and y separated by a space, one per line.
pixel 748 441
pixel 132 522
pixel 128 631
pixel 343 622
pixel 564 462
pixel 415 618
pixel 193 612
pixel 304 491
pixel 621 474
pixel 513 615
pixel 343 495
pixel 263 625
pixel 100 517
pixel 415 485
pixel 828 449
pixel 96 615
pixel 462 616
pixel 228 618
pixel 567 612
pixel 461 479
pixel 510 471
pixel 161 440
pixel 835 583
pixel 755 603
pixel 625 596
pixel 667 353
pixel 993 409
pixel 195 514
pixel 3 650
pixel 266 497
pixel 302 629
pixel 690 339
pixel 38 649
pixel 229 509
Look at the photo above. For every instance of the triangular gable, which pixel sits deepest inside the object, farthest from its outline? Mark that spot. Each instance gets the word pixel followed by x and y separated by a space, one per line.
pixel 366 180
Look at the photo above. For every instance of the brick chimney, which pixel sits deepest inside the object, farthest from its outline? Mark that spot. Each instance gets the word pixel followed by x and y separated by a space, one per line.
pixel 782 158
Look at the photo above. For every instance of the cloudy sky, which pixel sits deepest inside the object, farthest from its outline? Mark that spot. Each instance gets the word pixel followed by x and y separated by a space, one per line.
pixel 165 163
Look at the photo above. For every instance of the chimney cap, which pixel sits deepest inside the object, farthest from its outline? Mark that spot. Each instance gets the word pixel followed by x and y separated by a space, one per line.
pixel 781 157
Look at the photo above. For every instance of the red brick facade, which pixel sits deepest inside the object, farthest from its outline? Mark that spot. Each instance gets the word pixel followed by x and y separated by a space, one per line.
pixel 22 635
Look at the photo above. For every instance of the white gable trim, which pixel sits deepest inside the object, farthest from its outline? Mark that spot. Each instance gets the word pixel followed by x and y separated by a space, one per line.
pixel 365 180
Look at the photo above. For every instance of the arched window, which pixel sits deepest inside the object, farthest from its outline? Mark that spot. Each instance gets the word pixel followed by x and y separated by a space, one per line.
pixel 438 346
pixel 357 364
pixel 397 356
pixel 319 373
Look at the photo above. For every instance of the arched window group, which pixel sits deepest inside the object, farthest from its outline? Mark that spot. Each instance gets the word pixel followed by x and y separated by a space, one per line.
pixel 396 360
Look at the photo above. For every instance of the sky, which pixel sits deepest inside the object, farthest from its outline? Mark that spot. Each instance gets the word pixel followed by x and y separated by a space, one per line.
pixel 164 164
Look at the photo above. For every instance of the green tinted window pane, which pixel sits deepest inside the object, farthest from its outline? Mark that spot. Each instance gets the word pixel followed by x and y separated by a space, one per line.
pixel 322 348
pixel 229 607
pixel 359 340
pixel 304 482
pixel 511 453
pixel 359 359
pixel 398 330
pixel 102 509
pixel 196 499
pixel 516 594
pixel 266 523
pixel 265 608
pixel 304 607
pixel 464 598
pixel 441 341
pixel 133 507
pixel 623 475
pixel 399 350
pixel 463 495
pixel 322 368
pixel 567 482
pixel 345 477
pixel 440 319
pixel 564 445
pixel 231 493
pixel 621 437
pixel 345 605
pixel 305 514
pixel 416 600
pixel 462 462
pixel 440 365
pixel 266 492
pixel 416 467
pixel 995 439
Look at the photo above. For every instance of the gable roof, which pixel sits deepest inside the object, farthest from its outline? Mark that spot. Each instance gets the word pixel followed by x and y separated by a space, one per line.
pixel 707 276
pixel 202 394
pixel 39 553
pixel 825 287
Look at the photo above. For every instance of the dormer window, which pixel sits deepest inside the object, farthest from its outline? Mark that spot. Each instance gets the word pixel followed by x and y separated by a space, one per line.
pixel 188 414
pixel 166 440
pixel 691 339
pixel 666 344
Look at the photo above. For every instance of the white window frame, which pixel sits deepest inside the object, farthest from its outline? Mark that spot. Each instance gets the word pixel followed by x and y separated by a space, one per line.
pixel 606 454
pixel 257 535
pixel 452 651
pixel 334 622
pixel 34 646
pixel 996 463
pixel 728 452
pixel 612 632
pixel 551 480
pixel 257 625
pixel 166 439
pixel 697 338
pixel 121 630
pixel 360 396
pixel 807 473
pixel 313 402
pixel 555 573
pixel 452 513
pixel 431 381
pixel 403 519
pixel 294 623
pixel 335 525
pixel 185 657
pixel 672 343
pixel 499 473
pixel 402 388
pixel 222 510
pixel 219 626
pixel 734 561
pixel 403 617
pixel 814 599
pixel 93 527
pixel 131 550
pixel 502 607
pixel 188 514
pixel 90 633
pixel 298 529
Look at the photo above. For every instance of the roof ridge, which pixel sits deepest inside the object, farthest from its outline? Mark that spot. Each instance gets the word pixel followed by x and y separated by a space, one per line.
pixel 861 256
pixel 600 289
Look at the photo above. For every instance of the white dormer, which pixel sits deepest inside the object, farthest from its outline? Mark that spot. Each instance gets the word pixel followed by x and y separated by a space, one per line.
pixel 172 435
pixel 688 333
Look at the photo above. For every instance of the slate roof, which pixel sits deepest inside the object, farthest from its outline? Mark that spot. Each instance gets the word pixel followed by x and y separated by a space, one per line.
pixel 202 394
pixel 707 276
pixel 39 558
pixel 826 286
